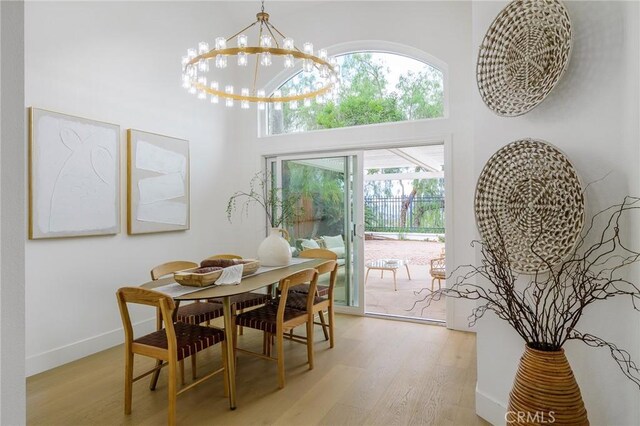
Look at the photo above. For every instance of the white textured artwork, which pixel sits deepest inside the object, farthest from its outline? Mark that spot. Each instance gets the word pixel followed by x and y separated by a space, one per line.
pixel 73 175
pixel 158 174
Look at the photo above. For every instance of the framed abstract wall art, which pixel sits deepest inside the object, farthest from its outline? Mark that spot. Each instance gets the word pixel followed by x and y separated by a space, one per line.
pixel 74 176
pixel 158 198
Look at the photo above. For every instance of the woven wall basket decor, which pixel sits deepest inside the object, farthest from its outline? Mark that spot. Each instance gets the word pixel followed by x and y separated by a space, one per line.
pixel 530 195
pixel 523 55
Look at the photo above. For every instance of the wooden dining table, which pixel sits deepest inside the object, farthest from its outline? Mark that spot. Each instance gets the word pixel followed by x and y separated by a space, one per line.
pixel 248 283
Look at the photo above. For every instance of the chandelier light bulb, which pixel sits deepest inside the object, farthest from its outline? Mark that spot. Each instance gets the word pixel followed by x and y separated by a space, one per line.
pixel 322 54
pixel 324 71
pixel 244 104
pixel 229 91
pixel 289 62
pixel 287 43
pixel 308 48
pixel 192 89
pixel 186 82
pixel 203 47
pixel 214 86
pixel 293 104
pixel 265 59
pixel 191 53
pixel 242 41
pixel 203 65
pixel 307 65
pixel 243 59
pixel 202 95
pixel 221 43
pixel 265 40
pixel 221 61
pixel 261 94
pixel 277 105
pixel 185 61
pixel 307 101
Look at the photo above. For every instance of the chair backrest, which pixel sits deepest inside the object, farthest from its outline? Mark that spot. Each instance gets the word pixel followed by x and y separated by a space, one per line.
pixel 170 267
pixel 143 296
pixel 301 277
pixel 330 266
pixel 224 256
pixel 318 254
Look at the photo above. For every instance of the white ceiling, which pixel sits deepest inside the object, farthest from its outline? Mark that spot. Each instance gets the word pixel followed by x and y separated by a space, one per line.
pixel 430 157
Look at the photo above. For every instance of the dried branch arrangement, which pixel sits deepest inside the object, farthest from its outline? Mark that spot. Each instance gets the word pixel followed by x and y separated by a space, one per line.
pixel 279 206
pixel 545 308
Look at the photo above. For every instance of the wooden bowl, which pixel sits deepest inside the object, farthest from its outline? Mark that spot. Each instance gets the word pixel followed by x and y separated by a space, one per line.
pixel 190 278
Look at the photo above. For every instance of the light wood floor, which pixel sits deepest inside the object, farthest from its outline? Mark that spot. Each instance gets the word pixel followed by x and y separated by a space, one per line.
pixel 381 372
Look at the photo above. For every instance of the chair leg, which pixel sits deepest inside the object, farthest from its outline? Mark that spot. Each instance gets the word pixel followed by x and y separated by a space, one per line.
pixel 280 352
pixel 225 376
pixel 331 322
pixel 194 368
pixel 128 382
pixel 324 325
pixel 173 391
pixel 182 372
pixel 310 326
pixel 155 375
pixel 433 281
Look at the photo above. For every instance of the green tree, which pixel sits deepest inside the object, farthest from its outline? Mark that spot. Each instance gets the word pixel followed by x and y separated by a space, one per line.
pixel 421 94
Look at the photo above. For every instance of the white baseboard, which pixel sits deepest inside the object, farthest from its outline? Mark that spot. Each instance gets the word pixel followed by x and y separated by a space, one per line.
pixel 58 356
pixel 490 409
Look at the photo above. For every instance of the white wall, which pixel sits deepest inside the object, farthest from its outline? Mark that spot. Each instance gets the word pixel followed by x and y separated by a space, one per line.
pixel 118 62
pixel 592 116
pixel 442 30
pixel 12 132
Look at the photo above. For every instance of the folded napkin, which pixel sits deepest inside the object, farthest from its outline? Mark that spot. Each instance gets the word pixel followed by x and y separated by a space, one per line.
pixel 231 275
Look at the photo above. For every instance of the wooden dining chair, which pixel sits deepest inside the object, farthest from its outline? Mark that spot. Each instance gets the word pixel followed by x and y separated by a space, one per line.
pixel 276 318
pixel 323 290
pixel 320 303
pixel 175 342
pixel 194 313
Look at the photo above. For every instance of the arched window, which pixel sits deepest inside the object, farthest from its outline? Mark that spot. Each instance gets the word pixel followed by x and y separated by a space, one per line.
pixel 375 87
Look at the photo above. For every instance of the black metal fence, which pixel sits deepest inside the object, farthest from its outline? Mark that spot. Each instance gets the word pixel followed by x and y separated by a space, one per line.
pixel 402 214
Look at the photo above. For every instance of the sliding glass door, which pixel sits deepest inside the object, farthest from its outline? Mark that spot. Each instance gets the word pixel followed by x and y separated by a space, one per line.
pixel 329 214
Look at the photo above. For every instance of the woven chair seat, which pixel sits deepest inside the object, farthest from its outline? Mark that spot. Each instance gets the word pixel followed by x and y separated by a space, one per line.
pixel 265 318
pixel 299 301
pixel 246 300
pixel 197 313
pixel 191 338
pixel 322 290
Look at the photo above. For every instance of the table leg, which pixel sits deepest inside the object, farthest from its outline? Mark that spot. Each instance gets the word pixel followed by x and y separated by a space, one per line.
pixel 231 359
pixel 395 287
pixel 407 266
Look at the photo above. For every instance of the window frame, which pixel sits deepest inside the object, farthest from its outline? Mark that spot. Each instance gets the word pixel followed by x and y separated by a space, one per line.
pixel 377 46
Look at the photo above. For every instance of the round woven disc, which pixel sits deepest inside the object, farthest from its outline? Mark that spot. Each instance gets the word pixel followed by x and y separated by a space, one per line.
pixel 523 55
pixel 530 195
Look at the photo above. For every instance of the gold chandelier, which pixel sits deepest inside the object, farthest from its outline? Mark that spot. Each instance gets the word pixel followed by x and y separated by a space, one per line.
pixel 271 43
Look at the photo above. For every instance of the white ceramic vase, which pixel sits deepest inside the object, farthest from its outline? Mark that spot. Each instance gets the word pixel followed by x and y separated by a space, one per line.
pixel 275 250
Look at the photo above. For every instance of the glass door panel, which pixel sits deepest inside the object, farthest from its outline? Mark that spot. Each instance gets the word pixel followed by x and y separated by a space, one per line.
pixel 327 213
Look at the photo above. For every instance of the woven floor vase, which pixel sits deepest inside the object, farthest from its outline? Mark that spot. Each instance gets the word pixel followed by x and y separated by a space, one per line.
pixel 545 391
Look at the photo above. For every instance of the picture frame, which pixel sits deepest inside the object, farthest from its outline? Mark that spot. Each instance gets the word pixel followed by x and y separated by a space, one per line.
pixel 158 183
pixel 74 176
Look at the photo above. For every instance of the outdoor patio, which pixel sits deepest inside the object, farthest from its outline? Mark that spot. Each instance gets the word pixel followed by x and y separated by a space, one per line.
pixel 380 295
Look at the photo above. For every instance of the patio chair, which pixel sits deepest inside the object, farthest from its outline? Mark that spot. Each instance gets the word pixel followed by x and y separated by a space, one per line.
pixel 438 271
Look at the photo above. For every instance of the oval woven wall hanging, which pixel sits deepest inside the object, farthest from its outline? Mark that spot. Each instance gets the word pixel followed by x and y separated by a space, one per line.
pixel 530 195
pixel 523 55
